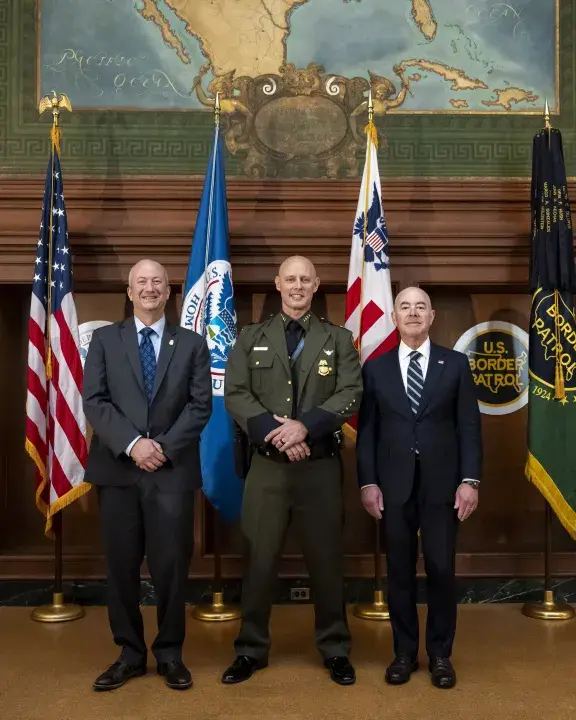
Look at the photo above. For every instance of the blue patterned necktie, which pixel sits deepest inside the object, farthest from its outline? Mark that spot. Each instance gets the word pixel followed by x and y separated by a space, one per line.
pixel 148 361
pixel 414 381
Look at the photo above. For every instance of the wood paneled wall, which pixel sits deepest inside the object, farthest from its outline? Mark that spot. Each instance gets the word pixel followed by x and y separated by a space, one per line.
pixel 466 242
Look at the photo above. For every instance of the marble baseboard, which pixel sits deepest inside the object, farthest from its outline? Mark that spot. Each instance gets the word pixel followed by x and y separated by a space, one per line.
pixel 474 590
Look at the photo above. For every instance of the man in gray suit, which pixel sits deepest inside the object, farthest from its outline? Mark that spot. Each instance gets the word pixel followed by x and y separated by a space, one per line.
pixel 147 395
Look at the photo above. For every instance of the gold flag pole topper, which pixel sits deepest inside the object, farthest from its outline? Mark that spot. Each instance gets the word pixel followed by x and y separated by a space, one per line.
pixel 377 609
pixel 58 610
pixel 549 608
pixel 217 610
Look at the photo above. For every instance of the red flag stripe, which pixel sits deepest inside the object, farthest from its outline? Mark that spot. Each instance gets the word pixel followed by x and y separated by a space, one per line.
pixel 370 314
pixel 66 422
pixel 70 350
pixel 59 481
pixel 36 337
pixel 389 344
pixel 35 438
pixel 353 296
pixel 36 389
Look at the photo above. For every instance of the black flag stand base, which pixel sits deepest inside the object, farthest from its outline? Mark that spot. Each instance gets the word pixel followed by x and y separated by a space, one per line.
pixel 377 609
pixel 58 611
pixel 548 608
pixel 217 610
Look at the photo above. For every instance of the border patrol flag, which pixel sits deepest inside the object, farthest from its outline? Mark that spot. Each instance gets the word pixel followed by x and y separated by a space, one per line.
pixel 208 309
pixel 551 464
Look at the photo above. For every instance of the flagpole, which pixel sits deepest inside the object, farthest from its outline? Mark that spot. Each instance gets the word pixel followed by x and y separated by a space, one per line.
pixel 58 610
pixel 548 608
pixel 217 610
pixel 377 609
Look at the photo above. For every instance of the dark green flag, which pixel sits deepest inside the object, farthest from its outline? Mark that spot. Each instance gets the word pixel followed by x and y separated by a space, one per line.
pixel 551 464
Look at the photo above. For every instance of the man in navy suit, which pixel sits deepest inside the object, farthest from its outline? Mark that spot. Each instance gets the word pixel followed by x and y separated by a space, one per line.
pixel 419 450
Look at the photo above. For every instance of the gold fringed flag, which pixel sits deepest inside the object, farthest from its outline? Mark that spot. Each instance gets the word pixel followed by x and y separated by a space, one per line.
pixel 551 464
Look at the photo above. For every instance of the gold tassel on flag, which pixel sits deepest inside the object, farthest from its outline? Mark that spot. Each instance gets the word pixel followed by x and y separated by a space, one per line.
pixel 559 392
pixel 370 129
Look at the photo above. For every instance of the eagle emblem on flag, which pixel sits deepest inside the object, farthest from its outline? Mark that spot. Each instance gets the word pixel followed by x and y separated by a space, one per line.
pixel 373 224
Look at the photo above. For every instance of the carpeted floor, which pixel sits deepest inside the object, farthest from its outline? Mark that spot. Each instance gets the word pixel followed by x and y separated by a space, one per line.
pixel 509 667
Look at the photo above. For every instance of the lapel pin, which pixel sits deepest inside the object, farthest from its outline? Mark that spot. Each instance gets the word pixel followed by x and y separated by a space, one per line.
pixel 440 362
pixel 171 342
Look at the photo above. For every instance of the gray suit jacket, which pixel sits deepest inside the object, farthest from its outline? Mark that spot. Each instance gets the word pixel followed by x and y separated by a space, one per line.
pixel 116 405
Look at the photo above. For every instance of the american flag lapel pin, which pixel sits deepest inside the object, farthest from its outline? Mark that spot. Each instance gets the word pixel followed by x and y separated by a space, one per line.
pixel 440 362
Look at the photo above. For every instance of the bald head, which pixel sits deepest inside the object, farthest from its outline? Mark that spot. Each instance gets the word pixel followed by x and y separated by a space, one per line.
pixel 411 294
pixel 149 290
pixel 413 316
pixel 297 282
pixel 144 265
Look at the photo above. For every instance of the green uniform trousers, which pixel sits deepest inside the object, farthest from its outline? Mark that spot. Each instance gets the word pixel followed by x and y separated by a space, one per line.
pixel 310 491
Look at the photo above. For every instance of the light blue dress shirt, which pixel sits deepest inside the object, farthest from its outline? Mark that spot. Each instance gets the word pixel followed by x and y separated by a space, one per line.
pixel 156 339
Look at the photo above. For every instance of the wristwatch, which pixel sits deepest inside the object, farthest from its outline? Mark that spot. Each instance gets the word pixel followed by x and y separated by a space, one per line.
pixel 473 483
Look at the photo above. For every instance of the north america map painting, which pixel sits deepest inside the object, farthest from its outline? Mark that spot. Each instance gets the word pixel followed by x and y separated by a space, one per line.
pixel 433 55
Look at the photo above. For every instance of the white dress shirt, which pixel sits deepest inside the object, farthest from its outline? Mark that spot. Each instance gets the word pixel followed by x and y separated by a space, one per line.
pixel 156 339
pixel 404 358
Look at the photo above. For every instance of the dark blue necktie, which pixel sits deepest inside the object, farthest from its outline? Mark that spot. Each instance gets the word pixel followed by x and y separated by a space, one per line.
pixel 148 361
pixel 415 381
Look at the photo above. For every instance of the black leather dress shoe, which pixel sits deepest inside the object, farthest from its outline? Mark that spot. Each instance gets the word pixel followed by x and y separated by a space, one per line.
pixel 443 674
pixel 242 669
pixel 400 669
pixel 117 675
pixel 341 670
pixel 175 674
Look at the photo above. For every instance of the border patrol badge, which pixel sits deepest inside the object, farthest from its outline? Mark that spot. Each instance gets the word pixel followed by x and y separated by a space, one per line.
pixel 323 368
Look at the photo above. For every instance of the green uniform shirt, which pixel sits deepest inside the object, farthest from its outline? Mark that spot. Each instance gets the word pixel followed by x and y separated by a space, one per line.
pixel 327 385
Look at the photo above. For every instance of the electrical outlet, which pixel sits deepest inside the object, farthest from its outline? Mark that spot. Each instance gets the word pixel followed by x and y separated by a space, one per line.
pixel 300 593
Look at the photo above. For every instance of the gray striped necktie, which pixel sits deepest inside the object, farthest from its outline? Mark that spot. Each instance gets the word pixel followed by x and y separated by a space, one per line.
pixel 414 381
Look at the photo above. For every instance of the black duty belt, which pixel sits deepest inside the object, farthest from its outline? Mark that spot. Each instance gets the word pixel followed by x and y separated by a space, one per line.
pixel 319 450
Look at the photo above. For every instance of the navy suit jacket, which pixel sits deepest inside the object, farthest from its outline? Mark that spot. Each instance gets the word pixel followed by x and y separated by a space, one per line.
pixel 446 430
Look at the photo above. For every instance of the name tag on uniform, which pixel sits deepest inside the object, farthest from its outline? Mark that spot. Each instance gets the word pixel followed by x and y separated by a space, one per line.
pixel 259 348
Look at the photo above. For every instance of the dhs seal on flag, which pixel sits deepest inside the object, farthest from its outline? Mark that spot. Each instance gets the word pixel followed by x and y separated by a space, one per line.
pixel 85 331
pixel 208 309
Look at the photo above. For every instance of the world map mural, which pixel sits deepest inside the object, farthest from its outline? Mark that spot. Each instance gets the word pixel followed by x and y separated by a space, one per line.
pixel 420 56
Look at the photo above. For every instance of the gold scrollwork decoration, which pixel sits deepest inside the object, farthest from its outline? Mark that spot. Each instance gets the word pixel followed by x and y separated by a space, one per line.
pixel 298 122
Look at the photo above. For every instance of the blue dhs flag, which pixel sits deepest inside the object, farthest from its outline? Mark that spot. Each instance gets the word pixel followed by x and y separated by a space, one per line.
pixel 208 309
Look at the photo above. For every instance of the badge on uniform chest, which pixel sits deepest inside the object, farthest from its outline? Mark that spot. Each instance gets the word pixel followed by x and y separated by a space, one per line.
pixel 323 368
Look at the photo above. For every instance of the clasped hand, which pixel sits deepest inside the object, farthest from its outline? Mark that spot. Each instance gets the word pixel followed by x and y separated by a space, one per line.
pixel 148 455
pixel 289 438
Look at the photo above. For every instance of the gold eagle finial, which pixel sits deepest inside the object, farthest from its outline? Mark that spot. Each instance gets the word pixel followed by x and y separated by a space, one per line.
pixel 54 103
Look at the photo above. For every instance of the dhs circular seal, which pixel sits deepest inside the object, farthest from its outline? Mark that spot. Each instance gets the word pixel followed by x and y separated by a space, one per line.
pixel 498 356
pixel 85 331
pixel 208 309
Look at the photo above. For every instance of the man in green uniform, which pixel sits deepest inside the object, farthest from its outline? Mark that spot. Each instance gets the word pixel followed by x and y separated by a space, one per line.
pixel 291 382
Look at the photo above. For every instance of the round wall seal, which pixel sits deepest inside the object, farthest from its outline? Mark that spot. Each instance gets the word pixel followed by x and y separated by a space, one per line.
pixel 85 331
pixel 498 356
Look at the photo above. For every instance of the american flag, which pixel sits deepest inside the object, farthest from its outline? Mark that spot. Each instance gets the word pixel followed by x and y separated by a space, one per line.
pixel 369 302
pixel 55 422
